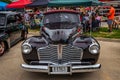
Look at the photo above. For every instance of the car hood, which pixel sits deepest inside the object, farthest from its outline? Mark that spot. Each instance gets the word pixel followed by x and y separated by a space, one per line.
pixel 60 32
pixel 59 35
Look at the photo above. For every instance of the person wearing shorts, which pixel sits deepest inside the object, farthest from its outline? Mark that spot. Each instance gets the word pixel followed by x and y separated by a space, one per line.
pixel 111 15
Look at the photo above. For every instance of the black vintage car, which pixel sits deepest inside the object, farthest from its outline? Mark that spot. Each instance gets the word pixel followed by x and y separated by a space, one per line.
pixel 11 30
pixel 62 48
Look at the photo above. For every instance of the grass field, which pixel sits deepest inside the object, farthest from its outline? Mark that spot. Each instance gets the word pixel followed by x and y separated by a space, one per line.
pixel 103 32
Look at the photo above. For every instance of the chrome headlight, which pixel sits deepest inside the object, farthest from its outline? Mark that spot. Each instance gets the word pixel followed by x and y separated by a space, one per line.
pixel 94 49
pixel 26 48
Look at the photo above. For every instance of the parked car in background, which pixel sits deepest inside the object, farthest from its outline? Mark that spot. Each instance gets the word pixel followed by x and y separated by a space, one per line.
pixel 62 47
pixel 12 30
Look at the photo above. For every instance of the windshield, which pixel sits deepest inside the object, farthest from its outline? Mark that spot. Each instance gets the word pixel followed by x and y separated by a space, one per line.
pixel 2 19
pixel 61 17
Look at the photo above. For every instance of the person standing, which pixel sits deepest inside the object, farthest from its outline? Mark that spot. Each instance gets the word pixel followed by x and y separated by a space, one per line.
pixel 110 16
pixel 27 19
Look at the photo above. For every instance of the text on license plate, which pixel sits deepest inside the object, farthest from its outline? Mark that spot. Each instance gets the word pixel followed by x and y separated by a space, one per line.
pixel 60 69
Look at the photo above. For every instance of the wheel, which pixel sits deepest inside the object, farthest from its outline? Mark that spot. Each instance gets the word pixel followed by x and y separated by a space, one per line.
pixel 2 48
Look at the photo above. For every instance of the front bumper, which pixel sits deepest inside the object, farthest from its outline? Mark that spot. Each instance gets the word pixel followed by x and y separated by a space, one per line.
pixel 72 68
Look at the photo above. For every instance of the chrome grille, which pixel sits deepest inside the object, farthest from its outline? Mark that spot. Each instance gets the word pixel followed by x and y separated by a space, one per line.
pixel 48 54
pixel 69 54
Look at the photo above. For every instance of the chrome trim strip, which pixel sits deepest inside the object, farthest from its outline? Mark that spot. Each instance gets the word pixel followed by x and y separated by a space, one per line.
pixel 72 63
pixel 81 54
pixel 76 34
pixel 59 51
pixel 43 47
pixel 38 54
pixel 45 40
pixel 47 62
pixel 57 45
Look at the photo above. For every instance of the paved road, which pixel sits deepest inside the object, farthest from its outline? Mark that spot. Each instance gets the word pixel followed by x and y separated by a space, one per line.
pixel 110 59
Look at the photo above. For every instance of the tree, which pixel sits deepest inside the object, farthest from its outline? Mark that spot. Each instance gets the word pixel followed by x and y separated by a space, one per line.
pixel 7 1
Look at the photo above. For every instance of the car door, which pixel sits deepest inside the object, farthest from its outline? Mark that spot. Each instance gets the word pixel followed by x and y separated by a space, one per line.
pixel 13 29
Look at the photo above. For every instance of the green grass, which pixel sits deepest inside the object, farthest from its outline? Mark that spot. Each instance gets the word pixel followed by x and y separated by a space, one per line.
pixel 105 34
pixel 102 33
pixel 34 30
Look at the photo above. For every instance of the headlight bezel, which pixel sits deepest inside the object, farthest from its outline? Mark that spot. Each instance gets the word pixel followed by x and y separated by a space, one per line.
pixel 94 49
pixel 26 48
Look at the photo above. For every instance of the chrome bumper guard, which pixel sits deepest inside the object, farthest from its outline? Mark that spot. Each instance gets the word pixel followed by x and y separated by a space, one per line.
pixel 72 68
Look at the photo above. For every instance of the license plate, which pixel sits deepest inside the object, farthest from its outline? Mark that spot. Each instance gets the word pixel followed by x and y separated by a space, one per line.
pixel 60 69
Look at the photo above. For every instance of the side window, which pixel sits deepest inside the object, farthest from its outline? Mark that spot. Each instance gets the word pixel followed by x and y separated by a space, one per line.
pixel 19 21
pixel 11 19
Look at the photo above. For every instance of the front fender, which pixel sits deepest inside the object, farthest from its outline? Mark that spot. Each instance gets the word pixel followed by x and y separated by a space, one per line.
pixel 84 42
pixel 36 42
pixel 5 38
